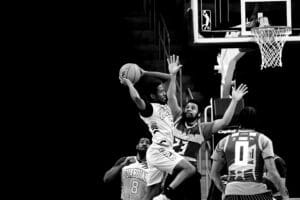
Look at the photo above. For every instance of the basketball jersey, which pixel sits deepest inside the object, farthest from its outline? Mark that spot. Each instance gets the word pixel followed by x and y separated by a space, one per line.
pixel 160 124
pixel 134 181
pixel 243 153
pixel 188 140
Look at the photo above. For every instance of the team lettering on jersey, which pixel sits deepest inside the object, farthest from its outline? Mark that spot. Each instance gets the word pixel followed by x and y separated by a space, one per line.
pixel 134 181
pixel 135 173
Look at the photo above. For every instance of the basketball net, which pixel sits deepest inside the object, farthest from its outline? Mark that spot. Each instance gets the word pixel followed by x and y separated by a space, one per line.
pixel 270 40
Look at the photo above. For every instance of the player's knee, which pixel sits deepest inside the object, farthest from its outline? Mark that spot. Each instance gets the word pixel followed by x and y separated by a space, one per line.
pixel 191 170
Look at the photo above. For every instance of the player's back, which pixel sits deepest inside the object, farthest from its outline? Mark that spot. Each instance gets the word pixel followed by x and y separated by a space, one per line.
pixel 134 181
pixel 243 155
pixel 245 151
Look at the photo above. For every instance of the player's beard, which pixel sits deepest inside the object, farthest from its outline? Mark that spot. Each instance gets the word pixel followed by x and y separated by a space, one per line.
pixel 189 118
pixel 164 100
pixel 142 153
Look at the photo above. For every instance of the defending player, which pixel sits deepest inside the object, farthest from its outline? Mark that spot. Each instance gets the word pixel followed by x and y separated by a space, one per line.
pixel 190 134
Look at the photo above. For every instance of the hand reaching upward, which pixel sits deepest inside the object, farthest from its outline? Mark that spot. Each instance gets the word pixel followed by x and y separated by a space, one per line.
pixel 173 64
pixel 237 94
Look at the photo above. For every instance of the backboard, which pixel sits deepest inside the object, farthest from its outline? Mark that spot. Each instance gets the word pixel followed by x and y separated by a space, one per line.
pixel 230 21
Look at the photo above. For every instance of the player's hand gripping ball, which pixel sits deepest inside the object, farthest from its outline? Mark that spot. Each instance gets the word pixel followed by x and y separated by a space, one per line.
pixel 131 71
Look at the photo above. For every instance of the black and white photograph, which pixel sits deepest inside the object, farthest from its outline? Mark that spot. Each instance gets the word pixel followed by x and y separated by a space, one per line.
pixel 192 99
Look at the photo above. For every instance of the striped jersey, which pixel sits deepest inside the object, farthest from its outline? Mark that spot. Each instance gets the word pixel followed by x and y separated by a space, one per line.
pixel 244 152
pixel 134 181
pixel 160 124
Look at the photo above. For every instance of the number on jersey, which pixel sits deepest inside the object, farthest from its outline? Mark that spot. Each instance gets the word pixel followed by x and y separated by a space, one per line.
pixel 180 145
pixel 134 187
pixel 241 152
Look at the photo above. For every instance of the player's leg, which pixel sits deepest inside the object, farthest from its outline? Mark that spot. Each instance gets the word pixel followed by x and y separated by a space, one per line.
pixel 185 170
pixel 152 191
pixel 171 162
pixel 192 187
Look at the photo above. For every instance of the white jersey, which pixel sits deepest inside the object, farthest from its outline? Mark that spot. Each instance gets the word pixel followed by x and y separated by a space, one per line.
pixel 134 181
pixel 161 124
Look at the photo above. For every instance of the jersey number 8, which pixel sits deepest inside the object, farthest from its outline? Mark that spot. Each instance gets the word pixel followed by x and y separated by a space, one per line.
pixel 134 187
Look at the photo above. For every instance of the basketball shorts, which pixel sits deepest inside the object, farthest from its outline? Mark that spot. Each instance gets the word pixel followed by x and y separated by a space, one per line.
pixel 161 160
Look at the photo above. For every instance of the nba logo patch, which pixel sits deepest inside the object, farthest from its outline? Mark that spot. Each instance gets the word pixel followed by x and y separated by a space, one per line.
pixel 206 20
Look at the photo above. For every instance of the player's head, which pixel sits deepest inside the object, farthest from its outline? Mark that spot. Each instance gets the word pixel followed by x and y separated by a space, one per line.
pixel 248 118
pixel 143 145
pixel 191 110
pixel 154 90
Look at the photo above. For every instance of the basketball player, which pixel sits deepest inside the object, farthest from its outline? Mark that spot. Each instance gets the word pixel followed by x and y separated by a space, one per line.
pixel 190 134
pixel 245 153
pixel 158 110
pixel 133 171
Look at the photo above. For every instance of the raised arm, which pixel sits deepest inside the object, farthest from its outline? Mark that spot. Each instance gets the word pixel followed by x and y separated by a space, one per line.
pixel 160 75
pixel 113 172
pixel 237 95
pixel 135 96
pixel 174 67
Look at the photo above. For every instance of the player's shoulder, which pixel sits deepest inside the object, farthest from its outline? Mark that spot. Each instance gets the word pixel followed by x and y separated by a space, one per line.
pixel 122 159
pixel 263 136
pixel 222 143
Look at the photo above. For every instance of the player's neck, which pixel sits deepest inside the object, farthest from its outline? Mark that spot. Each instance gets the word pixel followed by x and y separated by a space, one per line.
pixel 190 124
pixel 141 158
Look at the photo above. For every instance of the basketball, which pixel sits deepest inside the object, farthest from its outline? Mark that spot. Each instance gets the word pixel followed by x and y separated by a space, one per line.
pixel 131 71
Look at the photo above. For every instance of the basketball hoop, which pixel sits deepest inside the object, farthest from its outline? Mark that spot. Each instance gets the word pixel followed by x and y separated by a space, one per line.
pixel 271 40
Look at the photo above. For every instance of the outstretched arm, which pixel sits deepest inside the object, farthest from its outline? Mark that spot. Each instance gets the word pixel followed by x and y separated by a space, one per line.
pixel 174 67
pixel 135 96
pixel 160 75
pixel 237 94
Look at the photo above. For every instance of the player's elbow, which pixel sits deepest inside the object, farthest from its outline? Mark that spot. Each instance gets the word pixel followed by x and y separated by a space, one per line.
pixel 191 170
pixel 213 175
pixel 107 178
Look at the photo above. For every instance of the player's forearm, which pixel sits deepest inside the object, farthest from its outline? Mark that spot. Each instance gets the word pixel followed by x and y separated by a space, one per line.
pixel 172 99
pixel 111 174
pixel 172 87
pixel 136 97
pixel 161 75
pixel 133 92
pixel 275 178
pixel 218 182
pixel 227 117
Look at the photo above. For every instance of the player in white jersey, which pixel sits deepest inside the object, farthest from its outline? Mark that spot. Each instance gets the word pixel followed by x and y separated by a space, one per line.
pixel 245 153
pixel 158 109
pixel 133 171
